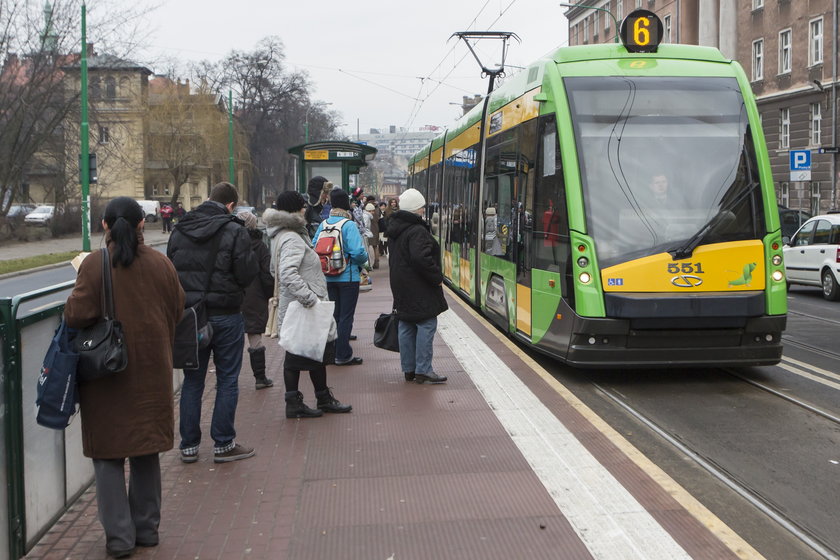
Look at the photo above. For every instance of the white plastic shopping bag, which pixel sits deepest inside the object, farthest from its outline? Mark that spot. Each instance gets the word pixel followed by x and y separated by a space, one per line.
pixel 305 329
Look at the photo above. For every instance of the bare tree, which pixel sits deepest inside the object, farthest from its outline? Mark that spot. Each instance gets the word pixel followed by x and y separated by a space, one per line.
pixel 188 134
pixel 271 104
pixel 37 42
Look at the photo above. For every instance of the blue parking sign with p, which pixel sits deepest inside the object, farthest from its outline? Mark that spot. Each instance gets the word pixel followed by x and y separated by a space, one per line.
pixel 800 160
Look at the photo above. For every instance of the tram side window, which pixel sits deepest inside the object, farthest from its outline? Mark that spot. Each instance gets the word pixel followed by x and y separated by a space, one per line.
pixel 500 194
pixel 459 180
pixel 551 225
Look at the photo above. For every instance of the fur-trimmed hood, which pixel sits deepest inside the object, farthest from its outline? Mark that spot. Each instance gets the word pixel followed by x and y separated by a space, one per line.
pixel 278 220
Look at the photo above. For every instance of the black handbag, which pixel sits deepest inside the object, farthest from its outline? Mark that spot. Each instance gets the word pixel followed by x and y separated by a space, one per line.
pixel 385 332
pixel 101 347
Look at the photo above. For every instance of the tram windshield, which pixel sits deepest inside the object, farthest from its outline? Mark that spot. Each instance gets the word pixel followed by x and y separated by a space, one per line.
pixel 667 164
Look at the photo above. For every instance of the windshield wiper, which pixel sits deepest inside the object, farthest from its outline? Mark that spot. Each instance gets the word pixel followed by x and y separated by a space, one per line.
pixel 724 218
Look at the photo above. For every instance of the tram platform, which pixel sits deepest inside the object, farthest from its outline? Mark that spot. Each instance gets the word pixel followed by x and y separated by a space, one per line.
pixel 501 462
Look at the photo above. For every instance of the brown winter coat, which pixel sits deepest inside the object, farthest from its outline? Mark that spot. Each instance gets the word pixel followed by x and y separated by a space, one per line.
pixel 131 413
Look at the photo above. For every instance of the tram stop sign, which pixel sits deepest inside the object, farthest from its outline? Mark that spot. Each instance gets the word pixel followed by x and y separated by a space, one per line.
pixel 800 165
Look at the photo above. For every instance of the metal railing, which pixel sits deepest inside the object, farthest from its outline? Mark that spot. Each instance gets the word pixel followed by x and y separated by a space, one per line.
pixel 42 471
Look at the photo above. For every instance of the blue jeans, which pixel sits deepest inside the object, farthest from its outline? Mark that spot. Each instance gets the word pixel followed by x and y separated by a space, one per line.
pixel 416 341
pixel 345 295
pixel 227 344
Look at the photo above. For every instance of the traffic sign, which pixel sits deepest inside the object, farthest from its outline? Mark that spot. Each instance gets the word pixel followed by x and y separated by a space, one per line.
pixel 800 165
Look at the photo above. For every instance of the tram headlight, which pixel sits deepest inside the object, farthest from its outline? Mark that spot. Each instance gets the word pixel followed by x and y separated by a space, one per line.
pixel 583 262
pixel 777 260
pixel 585 278
pixel 778 276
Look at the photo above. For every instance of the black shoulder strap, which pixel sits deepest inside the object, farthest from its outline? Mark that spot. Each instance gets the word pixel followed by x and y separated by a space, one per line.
pixel 107 290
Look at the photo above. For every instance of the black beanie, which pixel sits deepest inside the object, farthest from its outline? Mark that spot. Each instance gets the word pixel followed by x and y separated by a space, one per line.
pixel 314 188
pixel 340 199
pixel 290 201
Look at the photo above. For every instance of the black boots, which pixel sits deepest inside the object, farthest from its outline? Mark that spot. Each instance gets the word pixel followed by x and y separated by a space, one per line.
pixel 296 408
pixel 328 403
pixel 258 367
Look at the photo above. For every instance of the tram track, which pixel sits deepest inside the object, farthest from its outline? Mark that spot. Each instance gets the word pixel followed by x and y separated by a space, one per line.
pixel 742 488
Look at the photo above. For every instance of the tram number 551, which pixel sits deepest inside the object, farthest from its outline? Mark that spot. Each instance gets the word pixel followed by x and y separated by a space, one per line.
pixel 685 268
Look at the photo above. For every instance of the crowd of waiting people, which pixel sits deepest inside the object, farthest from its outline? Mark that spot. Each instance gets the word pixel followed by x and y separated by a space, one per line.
pixel 247 286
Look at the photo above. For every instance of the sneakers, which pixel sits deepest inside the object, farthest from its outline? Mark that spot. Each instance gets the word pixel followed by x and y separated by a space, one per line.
pixel 431 377
pixel 235 453
pixel 189 456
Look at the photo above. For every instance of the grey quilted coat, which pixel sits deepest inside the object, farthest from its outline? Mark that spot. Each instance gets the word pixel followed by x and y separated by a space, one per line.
pixel 294 264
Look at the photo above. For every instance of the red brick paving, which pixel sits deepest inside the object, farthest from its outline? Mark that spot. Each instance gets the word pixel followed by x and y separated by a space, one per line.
pixel 414 472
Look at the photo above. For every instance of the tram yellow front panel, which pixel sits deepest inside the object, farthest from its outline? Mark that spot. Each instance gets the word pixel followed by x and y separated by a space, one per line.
pixel 722 267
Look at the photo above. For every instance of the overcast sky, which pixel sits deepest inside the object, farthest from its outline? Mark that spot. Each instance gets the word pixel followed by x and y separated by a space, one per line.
pixel 364 57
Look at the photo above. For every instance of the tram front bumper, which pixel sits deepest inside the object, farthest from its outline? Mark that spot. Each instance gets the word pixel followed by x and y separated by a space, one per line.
pixel 602 343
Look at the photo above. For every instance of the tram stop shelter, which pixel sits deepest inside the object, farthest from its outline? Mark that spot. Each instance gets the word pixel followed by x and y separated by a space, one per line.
pixel 336 161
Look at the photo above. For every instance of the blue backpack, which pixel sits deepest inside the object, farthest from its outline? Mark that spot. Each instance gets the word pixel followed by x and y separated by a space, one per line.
pixel 57 394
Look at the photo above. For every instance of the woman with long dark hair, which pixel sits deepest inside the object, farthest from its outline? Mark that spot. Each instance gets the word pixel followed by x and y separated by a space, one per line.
pixel 129 414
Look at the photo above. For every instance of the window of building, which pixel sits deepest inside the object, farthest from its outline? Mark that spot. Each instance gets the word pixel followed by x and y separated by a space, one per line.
pixel 816 124
pixel 784 51
pixel 596 25
pixel 666 24
pixel 104 135
pixel 608 7
pixel 758 60
pixel 784 128
pixel 757 4
pixel 815 42
pixel 638 3
pixel 577 35
pixel 784 194
pixel 110 88
pixel 586 30
pixel 619 10
pixel 815 197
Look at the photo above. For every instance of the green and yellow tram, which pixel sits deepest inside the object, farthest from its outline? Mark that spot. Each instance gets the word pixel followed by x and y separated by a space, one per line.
pixel 613 206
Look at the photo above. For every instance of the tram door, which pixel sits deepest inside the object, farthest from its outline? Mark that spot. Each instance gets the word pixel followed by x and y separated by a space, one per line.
pixel 524 192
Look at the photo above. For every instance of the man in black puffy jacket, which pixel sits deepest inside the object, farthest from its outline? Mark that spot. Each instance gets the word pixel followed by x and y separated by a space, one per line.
pixel 211 251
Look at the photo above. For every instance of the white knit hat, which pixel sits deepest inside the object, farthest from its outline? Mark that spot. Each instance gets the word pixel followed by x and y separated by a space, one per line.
pixel 370 207
pixel 412 200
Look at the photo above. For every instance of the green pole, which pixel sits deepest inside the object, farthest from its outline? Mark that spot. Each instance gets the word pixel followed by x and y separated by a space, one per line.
pixel 85 157
pixel 306 130
pixel 231 170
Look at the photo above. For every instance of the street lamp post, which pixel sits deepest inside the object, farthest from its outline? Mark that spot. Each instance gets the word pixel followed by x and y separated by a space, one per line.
pixel 306 121
pixel 84 159
pixel 231 168
pixel 567 5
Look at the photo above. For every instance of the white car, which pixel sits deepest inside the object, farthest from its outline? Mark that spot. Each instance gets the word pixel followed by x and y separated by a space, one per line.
pixel 41 216
pixel 812 257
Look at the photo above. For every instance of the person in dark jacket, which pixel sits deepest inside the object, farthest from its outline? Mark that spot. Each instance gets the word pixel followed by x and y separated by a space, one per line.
pixel 318 194
pixel 255 305
pixel 416 279
pixel 211 251
pixel 130 414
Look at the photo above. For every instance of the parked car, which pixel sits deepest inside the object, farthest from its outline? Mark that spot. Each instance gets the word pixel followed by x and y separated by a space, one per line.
pixel 19 210
pixel 791 220
pixel 41 216
pixel 812 257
